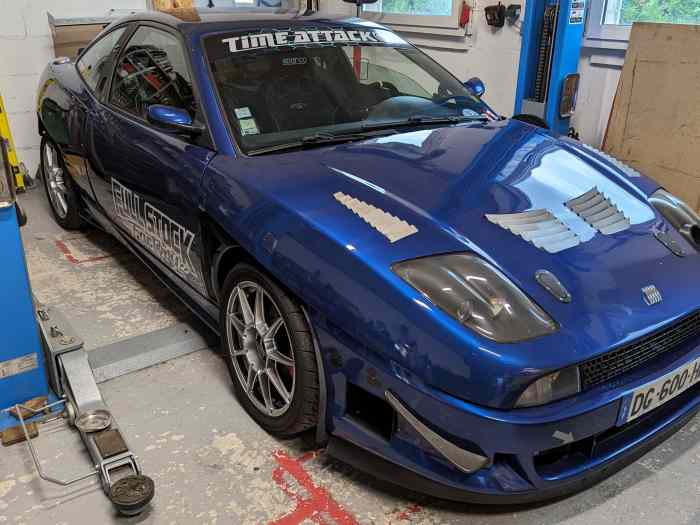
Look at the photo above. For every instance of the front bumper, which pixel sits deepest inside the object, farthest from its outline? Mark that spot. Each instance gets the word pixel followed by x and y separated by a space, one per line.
pixel 530 454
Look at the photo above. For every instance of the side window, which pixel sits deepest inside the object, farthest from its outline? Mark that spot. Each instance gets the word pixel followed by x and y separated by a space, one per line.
pixel 152 70
pixel 93 66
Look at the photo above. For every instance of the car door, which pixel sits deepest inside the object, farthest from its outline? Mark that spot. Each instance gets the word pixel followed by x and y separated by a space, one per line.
pixel 147 180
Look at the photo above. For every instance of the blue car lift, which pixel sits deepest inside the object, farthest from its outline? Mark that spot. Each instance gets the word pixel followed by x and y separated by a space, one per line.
pixel 42 358
pixel 552 33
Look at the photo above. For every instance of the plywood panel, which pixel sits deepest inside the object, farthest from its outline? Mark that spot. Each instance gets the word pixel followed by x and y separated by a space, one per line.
pixel 655 120
pixel 164 5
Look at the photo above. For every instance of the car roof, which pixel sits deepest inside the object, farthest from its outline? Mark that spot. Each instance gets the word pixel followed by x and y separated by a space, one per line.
pixel 212 20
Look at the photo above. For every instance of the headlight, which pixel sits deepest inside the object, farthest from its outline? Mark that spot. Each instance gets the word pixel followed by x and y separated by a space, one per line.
pixel 552 387
pixel 681 216
pixel 478 296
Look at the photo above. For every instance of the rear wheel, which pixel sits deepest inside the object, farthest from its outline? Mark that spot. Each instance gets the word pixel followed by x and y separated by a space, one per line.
pixel 269 351
pixel 59 188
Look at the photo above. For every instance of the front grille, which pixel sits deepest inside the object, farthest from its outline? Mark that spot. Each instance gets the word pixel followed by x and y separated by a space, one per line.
pixel 613 364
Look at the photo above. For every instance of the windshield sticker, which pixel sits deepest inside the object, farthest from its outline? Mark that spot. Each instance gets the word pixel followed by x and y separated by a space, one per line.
pixel 165 238
pixel 251 42
pixel 243 113
pixel 248 126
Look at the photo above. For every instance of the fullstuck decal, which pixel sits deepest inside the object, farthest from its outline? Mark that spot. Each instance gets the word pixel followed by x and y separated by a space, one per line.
pixel 165 238
pixel 250 42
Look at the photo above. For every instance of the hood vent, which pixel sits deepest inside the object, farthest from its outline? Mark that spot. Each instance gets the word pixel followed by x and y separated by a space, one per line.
pixel 538 227
pixel 599 212
pixel 389 226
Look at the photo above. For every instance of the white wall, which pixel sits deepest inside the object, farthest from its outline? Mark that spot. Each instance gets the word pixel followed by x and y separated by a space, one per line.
pixel 600 71
pixel 491 54
pixel 25 48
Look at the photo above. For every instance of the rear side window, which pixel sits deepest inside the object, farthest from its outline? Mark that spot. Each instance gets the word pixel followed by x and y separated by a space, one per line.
pixel 152 70
pixel 94 65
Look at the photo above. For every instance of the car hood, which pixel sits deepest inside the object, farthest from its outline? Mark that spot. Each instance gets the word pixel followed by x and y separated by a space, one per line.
pixel 437 188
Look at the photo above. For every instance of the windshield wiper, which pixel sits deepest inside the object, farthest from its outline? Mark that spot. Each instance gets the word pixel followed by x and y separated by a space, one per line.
pixel 322 138
pixel 367 131
pixel 419 121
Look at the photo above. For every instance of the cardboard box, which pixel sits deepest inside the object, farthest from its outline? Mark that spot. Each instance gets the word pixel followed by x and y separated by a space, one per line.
pixel 71 35
pixel 655 121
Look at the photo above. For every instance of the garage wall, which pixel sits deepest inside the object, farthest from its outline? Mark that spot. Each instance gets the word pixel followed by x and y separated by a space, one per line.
pixel 493 55
pixel 25 48
pixel 600 71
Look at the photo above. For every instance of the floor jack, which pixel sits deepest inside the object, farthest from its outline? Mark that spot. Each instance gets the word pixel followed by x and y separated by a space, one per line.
pixel 50 363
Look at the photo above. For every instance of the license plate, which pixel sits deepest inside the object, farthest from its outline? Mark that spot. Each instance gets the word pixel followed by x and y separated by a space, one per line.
pixel 651 396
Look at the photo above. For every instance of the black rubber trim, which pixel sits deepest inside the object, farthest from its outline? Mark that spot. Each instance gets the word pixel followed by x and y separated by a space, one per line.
pixel 396 475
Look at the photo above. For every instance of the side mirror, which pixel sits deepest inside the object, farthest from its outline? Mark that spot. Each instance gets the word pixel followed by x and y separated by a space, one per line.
pixel 476 86
pixel 173 120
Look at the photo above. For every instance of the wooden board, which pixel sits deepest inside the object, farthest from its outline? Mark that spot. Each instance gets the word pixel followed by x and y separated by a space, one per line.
pixel 655 120
pixel 164 5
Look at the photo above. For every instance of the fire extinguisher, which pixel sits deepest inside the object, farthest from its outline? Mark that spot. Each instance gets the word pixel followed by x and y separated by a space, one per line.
pixel 464 15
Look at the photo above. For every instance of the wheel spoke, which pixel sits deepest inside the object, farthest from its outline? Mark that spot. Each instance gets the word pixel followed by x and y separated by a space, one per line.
pixel 260 323
pixel 266 394
pixel 280 358
pixel 269 336
pixel 61 201
pixel 48 155
pixel 238 353
pixel 237 324
pixel 250 380
pixel 248 316
pixel 275 381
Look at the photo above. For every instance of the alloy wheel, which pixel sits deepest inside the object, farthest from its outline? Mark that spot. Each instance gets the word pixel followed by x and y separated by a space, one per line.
pixel 55 182
pixel 260 348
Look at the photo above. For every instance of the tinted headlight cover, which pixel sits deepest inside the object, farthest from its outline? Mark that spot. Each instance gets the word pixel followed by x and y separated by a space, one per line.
pixel 477 295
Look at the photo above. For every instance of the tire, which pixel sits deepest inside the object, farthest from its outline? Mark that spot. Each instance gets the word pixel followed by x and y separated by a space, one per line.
pixel 59 187
pixel 287 363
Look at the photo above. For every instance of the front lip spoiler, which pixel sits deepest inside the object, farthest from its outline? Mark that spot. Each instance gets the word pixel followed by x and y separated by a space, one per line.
pixel 386 470
pixel 466 461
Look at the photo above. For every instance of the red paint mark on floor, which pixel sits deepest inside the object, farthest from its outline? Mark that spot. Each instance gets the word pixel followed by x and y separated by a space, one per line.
pixel 405 515
pixel 314 503
pixel 66 251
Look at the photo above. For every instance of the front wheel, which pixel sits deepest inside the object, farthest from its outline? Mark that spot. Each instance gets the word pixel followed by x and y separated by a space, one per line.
pixel 269 351
pixel 60 191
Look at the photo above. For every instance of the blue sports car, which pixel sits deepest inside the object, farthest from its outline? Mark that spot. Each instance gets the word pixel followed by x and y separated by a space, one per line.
pixel 505 315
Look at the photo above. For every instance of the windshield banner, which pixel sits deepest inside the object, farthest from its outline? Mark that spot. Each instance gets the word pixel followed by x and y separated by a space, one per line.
pixel 290 38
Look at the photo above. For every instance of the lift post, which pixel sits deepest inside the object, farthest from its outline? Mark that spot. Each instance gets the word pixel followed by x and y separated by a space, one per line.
pixel 552 34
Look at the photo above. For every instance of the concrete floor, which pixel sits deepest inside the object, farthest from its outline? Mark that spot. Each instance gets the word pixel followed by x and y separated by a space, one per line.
pixel 107 292
pixel 212 464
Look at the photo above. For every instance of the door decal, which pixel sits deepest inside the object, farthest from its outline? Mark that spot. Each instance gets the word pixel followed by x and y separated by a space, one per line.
pixel 165 238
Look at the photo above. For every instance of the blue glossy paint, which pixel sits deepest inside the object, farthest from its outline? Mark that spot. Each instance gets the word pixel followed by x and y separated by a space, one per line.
pixel 280 209
pixel 20 333
pixel 168 115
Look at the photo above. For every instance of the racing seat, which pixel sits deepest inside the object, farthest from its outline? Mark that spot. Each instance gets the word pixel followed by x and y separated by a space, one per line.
pixel 296 101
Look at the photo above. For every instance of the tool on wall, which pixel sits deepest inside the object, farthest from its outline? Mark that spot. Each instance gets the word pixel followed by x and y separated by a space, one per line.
pixel 18 170
pixel 495 14
pixel 552 32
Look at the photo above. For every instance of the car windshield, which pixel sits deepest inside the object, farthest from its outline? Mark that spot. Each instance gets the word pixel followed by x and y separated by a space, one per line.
pixel 287 88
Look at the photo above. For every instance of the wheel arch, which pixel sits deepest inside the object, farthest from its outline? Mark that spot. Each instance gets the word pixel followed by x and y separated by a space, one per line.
pixel 221 253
